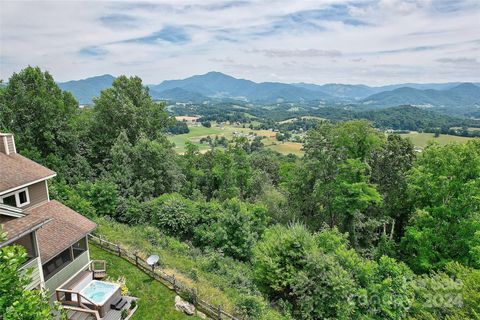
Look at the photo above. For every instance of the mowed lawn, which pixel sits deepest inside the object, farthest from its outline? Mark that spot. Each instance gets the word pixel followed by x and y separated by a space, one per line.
pixel 422 139
pixel 156 302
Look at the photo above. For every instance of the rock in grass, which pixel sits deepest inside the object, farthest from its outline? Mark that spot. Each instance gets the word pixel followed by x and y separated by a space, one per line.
pixel 184 306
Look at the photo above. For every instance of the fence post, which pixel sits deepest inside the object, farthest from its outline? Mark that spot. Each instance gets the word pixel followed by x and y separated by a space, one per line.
pixel 219 312
pixel 118 250
pixel 136 259
pixel 174 283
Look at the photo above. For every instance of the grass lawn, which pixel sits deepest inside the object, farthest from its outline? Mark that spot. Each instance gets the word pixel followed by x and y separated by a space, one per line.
pixel 156 301
pixel 212 277
pixel 422 139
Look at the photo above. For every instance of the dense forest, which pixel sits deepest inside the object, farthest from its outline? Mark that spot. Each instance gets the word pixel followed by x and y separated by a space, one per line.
pixel 360 227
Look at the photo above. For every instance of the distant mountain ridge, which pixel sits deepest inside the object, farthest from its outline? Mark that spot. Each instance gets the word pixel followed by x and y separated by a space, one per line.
pixel 84 90
pixel 462 95
pixel 221 87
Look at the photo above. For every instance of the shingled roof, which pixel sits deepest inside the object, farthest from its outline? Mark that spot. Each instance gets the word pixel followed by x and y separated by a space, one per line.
pixel 65 228
pixel 17 171
pixel 18 227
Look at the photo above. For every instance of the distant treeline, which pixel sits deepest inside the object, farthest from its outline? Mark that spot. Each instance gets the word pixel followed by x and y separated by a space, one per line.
pixel 406 117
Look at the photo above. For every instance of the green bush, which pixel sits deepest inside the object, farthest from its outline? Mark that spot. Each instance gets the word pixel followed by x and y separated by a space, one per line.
pixel 173 214
pixel 133 304
pixel 250 307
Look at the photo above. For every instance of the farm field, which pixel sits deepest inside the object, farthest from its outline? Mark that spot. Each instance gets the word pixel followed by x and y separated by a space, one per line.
pixel 304 117
pixel 422 139
pixel 283 147
pixel 198 132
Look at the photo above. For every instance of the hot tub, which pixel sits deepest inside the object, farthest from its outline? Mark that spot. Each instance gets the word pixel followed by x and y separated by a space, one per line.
pixel 102 294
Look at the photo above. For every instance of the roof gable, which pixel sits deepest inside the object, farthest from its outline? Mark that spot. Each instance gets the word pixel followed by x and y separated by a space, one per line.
pixel 17 171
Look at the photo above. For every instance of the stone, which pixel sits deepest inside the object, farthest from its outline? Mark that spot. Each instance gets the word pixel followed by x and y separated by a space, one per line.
pixel 184 306
pixel 201 315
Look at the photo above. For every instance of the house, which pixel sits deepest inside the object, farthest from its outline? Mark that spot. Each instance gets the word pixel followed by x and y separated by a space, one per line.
pixel 55 239
pixel 54 236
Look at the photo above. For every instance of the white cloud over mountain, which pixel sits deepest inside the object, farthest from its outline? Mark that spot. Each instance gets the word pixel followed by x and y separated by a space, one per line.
pixel 372 42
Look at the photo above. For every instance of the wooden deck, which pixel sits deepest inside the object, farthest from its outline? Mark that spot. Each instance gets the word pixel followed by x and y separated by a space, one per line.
pixel 117 314
pixel 111 315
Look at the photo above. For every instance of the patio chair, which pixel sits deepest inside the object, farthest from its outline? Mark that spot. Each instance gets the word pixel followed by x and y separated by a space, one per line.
pixel 99 269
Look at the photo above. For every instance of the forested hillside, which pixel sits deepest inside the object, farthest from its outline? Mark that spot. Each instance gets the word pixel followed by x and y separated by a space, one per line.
pixel 360 227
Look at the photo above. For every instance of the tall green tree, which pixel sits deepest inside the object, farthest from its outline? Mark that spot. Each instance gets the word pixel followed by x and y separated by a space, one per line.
pixel 390 166
pixel 445 190
pixel 332 186
pixel 43 119
pixel 145 170
pixel 126 106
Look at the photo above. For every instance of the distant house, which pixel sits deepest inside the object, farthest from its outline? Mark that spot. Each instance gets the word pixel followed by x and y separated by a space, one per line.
pixel 54 236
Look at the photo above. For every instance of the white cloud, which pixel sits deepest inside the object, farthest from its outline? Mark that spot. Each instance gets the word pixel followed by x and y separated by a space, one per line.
pixel 371 42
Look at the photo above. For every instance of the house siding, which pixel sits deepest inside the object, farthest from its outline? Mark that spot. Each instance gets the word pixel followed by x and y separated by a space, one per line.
pixel 38 193
pixel 2 145
pixel 11 144
pixel 36 275
pixel 74 267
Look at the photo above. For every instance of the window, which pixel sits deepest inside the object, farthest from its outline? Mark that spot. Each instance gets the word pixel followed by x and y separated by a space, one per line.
pixel 79 247
pixel 28 242
pixel 22 197
pixel 57 263
pixel 10 201
pixel 17 198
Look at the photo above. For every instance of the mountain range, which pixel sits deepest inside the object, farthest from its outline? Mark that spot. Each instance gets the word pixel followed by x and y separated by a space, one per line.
pixel 218 86
pixel 84 90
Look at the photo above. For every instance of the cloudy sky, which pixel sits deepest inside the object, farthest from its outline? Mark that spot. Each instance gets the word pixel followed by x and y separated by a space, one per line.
pixel 371 42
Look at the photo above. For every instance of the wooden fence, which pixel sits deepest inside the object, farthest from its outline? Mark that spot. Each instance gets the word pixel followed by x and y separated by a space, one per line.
pixel 187 293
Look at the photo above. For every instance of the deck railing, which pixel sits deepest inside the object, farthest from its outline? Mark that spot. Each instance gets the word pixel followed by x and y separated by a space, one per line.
pixel 184 291
pixel 68 299
pixel 94 313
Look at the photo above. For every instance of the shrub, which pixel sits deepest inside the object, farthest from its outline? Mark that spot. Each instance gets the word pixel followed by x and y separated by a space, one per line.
pixel 250 307
pixel 133 304
pixel 173 214
pixel 125 313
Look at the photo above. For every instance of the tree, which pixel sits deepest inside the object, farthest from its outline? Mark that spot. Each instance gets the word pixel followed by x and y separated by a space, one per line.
pixel 452 293
pixel 390 165
pixel 173 214
pixel 351 196
pixel 128 105
pixel 324 289
pixel 102 194
pixel 445 190
pixel 16 302
pixel 332 186
pixel 146 169
pixel 316 276
pixel 233 227
pixel 278 258
pixel 43 119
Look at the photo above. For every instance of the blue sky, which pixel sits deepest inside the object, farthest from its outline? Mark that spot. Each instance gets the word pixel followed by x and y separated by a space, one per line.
pixel 371 42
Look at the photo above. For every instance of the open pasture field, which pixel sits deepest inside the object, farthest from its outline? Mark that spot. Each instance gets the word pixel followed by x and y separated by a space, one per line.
pixel 422 139
pixel 304 117
pixel 287 147
pixel 187 118
pixel 226 130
